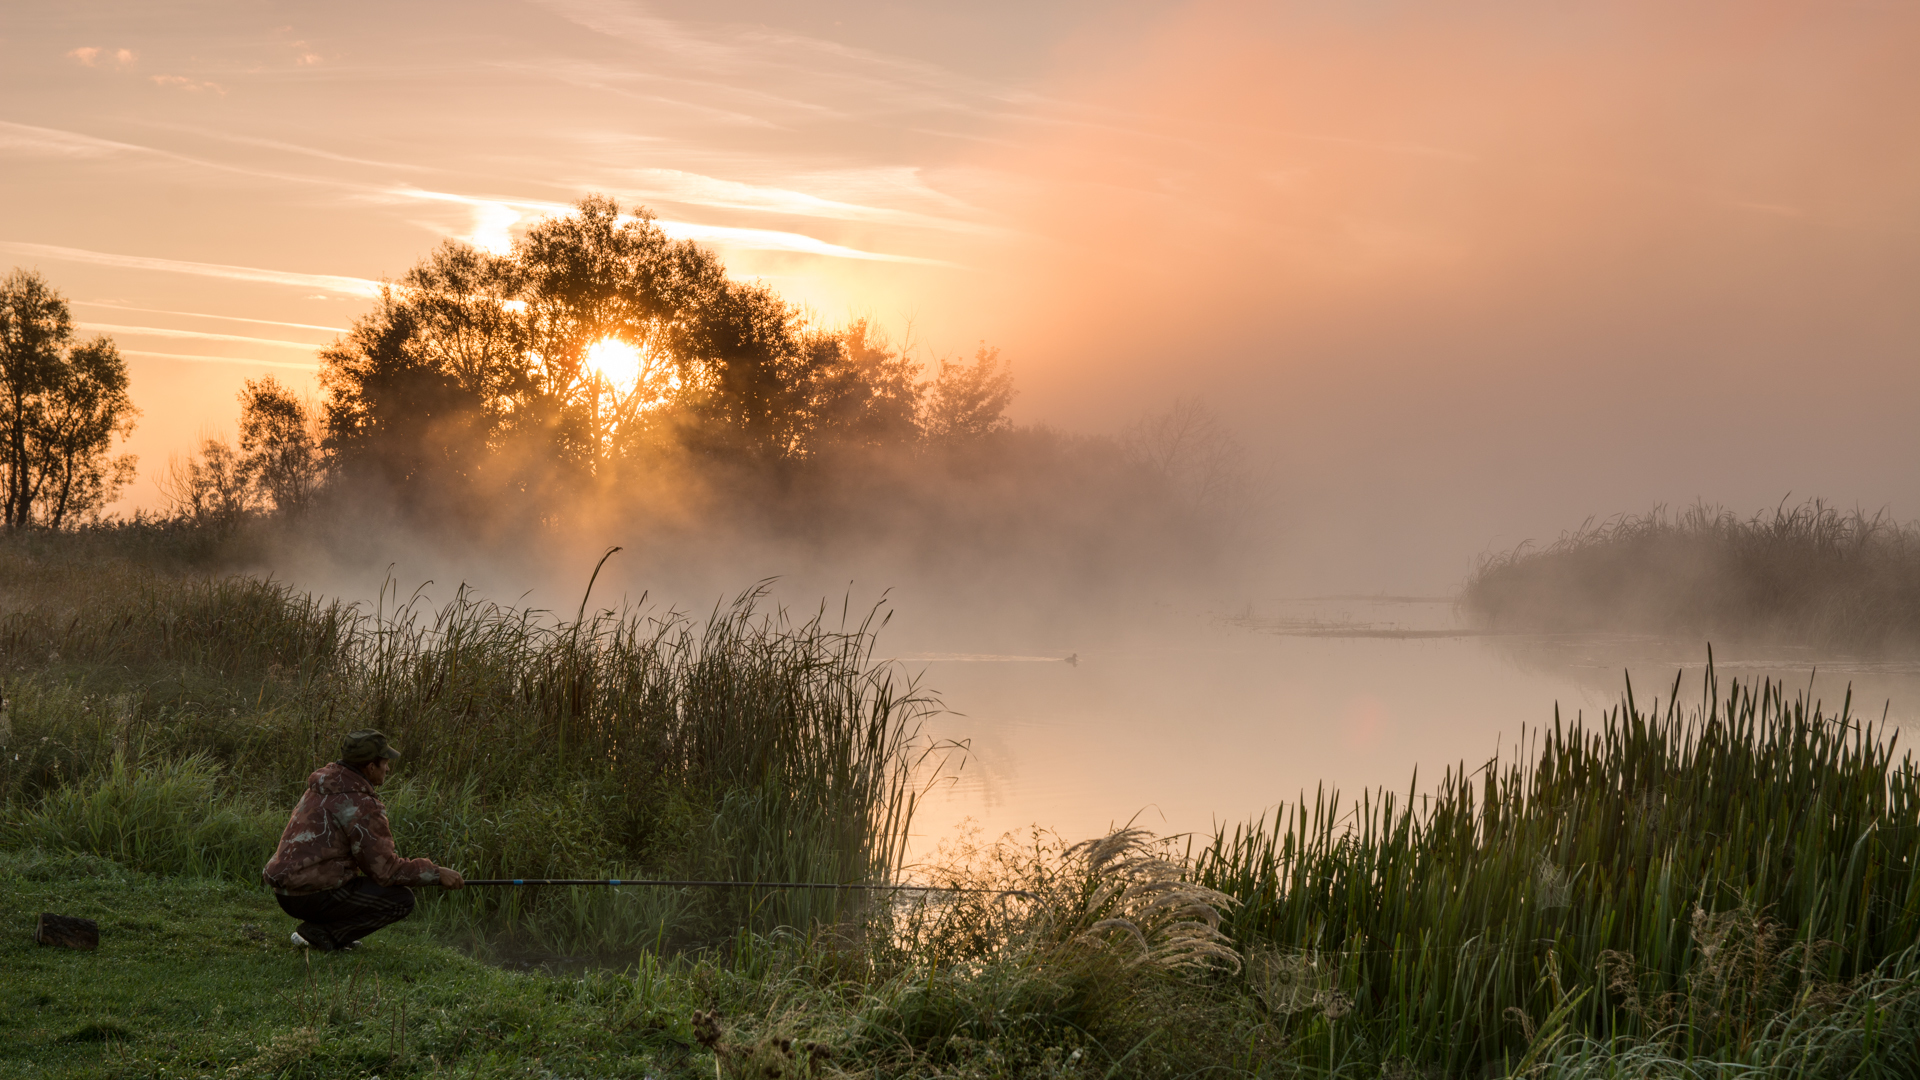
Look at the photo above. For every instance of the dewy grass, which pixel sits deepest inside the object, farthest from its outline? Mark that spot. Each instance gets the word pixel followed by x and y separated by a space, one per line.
pixel 1681 877
pixel 1806 575
pixel 1729 890
pixel 744 746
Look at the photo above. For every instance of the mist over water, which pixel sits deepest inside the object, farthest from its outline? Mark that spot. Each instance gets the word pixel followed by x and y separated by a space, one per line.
pixel 1457 275
pixel 1190 719
pixel 1179 704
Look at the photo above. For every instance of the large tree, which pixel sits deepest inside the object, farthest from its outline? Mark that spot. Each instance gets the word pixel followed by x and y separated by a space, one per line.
pixel 863 393
pixel 279 445
pixel 478 372
pixel 969 401
pixel 62 403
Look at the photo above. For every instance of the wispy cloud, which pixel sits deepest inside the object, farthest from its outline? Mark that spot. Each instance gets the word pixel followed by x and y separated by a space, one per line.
pixel 93 56
pixel 53 142
pixel 696 190
pixel 679 90
pixel 287 147
pixel 28 139
pixel 197 359
pixel 181 82
pixel 204 315
pixel 871 79
pixel 771 240
pixel 197 335
pixel 333 283
pixel 492 214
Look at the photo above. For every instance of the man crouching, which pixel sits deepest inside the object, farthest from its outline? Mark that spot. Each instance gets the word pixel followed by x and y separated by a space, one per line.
pixel 335 869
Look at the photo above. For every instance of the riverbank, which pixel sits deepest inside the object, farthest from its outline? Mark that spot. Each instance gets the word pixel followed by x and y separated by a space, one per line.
pixel 1807 575
pixel 1726 888
pixel 195 977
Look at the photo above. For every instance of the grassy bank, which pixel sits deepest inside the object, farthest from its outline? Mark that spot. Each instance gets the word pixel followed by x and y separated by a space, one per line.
pixel 1730 888
pixel 744 745
pixel 1739 879
pixel 1806 575
pixel 194 978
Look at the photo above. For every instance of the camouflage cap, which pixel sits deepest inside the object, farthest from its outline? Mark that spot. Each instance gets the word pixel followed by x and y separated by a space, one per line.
pixel 361 747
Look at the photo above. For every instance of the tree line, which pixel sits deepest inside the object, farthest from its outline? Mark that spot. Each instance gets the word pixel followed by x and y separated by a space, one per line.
pixel 62 403
pixel 595 357
pixel 476 373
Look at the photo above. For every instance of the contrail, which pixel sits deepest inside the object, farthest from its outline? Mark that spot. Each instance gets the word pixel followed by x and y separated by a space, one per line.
pixel 159 331
pixel 350 286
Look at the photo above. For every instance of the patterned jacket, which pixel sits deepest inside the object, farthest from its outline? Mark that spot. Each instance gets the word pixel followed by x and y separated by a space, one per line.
pixel 338 830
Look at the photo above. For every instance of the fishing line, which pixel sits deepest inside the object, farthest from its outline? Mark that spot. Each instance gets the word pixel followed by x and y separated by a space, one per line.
pixel 678 884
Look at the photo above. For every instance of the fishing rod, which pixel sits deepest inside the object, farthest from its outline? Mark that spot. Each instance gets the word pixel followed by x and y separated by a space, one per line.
pixel 679 884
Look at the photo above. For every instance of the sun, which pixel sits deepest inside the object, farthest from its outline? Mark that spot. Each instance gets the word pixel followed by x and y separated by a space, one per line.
pixel 616 361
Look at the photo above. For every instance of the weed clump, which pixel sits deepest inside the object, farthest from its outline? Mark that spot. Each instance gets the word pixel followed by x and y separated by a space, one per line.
pixel 169 721
pixel 1713 880
pixel 1808 575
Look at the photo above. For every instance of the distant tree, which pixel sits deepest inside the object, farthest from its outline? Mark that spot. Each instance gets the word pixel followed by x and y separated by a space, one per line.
pixel 477 369
pixel 210 488
pixel 967 401
pixel 89 405
pixel 279 445
pixel 423 386
pixel 62 404
pixel 1195 453
pixel 862 391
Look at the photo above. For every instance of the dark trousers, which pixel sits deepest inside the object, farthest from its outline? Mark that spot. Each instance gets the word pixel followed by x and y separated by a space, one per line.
pixel 339 917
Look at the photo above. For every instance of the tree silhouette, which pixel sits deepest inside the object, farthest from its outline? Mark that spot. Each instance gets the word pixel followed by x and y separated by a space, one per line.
pixel 970 400
pixel 862 392
pixel 1194 452
pixel 279 447
pixel 61 405
pixel 475 370
pixel 599 350
pixel 209 489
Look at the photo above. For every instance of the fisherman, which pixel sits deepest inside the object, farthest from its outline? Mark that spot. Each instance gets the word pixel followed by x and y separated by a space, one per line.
pixel 335 869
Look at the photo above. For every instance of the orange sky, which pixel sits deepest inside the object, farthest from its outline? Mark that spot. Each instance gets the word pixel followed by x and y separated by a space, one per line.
pixel 1463 272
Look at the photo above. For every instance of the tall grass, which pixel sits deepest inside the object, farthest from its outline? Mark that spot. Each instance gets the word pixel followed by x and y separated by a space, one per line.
pixel 747 745
pixel 1805 575
pixel 1682 877
pixel 1726 889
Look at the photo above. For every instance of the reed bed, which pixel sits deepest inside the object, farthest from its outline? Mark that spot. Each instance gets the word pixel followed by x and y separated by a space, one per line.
pixel 746 745
pixel 1698 880
pixel 1807 575
pixel 1722 889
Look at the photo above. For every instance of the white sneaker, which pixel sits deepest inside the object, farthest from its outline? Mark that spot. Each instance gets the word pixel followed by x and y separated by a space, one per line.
pixel 300 942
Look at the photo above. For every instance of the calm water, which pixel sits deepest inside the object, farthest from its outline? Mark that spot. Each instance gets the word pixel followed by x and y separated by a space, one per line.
pixel 1197 717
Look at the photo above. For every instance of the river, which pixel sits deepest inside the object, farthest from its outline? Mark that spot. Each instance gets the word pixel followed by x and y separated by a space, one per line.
pixel 1185 719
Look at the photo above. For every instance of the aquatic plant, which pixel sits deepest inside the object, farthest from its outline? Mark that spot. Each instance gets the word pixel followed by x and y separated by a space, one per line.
pixel 1695 877
pixel 747 745
pixel 1806 575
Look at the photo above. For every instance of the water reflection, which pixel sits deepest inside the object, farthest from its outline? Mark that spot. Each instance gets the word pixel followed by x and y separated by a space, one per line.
pixel 1185 720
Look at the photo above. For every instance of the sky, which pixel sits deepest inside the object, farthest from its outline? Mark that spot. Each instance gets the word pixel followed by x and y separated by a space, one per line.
pixel 1460 274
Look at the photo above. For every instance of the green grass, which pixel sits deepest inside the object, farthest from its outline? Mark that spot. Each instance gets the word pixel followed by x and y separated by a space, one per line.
pixel 1698 879
pixel 1728 890
pixel 1807 575
pixel 194 977
pixel 748 744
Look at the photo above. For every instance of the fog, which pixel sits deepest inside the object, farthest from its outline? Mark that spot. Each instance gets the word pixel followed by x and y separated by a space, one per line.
pixel 1456 276
pixel 1475 272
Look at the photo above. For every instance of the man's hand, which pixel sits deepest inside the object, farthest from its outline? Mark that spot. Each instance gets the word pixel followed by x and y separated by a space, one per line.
pixel 451 879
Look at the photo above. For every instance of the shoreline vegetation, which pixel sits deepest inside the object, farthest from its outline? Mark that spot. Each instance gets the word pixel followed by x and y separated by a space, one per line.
pixel 1723 888
pixel 1802 575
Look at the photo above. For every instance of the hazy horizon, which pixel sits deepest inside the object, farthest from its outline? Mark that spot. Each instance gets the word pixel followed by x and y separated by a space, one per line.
pixel 1459 275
